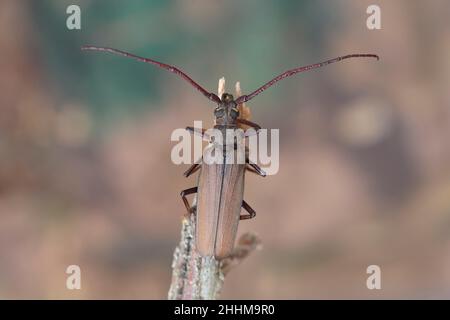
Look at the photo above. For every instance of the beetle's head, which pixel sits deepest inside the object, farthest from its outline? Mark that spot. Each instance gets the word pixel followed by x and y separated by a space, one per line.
pixel 226 112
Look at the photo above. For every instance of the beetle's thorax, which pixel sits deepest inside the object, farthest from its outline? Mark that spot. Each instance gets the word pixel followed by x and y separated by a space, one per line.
pixel 226 112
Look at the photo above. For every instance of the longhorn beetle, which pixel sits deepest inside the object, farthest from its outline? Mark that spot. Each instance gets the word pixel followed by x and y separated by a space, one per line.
pixel 220 187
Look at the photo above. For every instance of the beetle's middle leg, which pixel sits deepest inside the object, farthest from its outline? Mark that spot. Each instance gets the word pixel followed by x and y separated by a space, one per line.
pixel 183 195
pixel 252 167
pixel 192 169
pixel 251 213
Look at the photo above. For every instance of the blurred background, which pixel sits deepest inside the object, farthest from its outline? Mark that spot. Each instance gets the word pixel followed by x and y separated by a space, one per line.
pixel 85 170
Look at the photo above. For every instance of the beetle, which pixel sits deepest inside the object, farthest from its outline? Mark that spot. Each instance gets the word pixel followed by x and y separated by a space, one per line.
pixel 220 186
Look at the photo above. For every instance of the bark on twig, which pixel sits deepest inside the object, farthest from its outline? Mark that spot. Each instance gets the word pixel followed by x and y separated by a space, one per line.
pixel 193 276
pixel 197 277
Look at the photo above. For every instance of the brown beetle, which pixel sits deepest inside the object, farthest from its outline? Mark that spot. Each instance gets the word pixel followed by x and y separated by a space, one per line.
pixel 220 188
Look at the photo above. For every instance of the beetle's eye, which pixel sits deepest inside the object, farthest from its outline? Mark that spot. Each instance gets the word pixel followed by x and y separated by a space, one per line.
pixel 219 112
pixel 234 113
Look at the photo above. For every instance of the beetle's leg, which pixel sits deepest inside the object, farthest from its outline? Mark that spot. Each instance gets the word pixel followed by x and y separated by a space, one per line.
pixel 199 131
pixel 251 213
pixel 248 168
pixel 183 195
pixel 253 125
pixel 255 169
pixel 192 169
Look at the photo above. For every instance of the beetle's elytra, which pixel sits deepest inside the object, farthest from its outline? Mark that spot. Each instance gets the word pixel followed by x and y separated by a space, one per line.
pixel 220 187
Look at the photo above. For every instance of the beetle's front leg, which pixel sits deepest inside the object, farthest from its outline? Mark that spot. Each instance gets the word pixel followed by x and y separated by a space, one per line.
pixel 251 213
pixel 253 125
pixel 250 124
pixel 183 195
pixel 253 167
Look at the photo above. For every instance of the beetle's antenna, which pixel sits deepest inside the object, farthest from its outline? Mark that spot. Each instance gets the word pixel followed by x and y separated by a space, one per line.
pixel 211 96
pixel 291 72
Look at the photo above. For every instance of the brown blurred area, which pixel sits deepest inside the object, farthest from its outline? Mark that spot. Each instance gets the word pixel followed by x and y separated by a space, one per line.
pixel 364 165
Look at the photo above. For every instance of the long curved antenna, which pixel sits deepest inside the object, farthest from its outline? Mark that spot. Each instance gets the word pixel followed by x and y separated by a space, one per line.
pixel 211 96
pixel 291 72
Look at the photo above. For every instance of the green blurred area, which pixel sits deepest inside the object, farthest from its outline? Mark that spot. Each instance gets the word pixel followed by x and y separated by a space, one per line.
pixel 244 41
